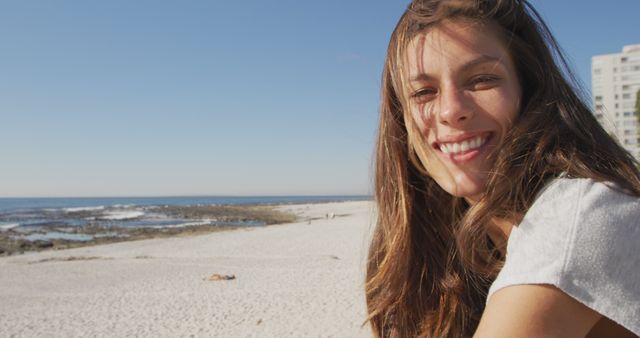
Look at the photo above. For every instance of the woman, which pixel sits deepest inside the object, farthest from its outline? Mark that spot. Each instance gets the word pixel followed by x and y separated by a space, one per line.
pixel 504 209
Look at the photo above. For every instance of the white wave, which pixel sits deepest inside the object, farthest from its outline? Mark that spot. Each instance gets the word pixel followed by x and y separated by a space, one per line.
pixel 79 209
pixel 121 215
pixel 123 206
pixel 192 224
pixel 184 225
pixel 5 227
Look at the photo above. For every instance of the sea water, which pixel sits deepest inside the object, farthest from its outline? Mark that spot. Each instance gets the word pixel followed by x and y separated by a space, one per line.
pixel 47 218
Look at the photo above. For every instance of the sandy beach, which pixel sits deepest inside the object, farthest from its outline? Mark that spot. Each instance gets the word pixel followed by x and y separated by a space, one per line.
pixel 302 279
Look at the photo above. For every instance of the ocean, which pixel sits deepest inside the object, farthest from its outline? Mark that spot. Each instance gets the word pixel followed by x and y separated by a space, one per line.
pixel 34 218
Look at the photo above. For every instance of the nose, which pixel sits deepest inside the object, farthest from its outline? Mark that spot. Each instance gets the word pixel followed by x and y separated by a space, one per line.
pixel 455 107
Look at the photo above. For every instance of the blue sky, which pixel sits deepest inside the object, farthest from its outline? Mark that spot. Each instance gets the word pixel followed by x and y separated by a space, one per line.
pixel 148 98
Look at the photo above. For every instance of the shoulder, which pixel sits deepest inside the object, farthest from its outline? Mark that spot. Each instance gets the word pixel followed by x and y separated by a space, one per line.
pixel 581 237
pixel 572 216
pixel 580 211
pixel 572 225
pixel 580 195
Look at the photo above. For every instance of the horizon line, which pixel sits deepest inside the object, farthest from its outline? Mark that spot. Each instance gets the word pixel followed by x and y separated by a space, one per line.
pixel 191 196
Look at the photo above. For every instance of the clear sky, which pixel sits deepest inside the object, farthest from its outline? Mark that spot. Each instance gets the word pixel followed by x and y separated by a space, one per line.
pixel 168 97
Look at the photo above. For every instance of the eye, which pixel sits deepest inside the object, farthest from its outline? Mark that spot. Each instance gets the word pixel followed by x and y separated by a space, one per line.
pixel 424 94
pixel 482 82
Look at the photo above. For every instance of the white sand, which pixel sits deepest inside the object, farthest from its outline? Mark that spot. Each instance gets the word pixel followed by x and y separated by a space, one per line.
pixel 292 280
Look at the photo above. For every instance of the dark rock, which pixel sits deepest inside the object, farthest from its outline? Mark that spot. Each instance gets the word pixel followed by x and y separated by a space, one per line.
pixel 43 244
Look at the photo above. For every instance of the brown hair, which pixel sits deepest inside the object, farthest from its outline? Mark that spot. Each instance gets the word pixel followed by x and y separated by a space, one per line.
pixel 430 260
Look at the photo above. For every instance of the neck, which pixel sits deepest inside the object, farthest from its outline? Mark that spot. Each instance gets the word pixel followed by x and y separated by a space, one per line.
pixel 499 232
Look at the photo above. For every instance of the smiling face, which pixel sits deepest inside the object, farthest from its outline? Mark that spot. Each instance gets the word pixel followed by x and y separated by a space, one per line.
pixel 463 94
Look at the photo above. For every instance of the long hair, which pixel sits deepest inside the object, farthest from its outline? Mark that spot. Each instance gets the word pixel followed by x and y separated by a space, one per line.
pixel 430 260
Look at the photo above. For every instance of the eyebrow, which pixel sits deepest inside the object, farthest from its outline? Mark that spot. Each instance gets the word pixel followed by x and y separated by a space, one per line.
pixel 473 63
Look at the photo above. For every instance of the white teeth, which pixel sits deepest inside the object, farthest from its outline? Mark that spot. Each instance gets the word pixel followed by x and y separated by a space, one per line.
pixel 477 142
pixel 466 145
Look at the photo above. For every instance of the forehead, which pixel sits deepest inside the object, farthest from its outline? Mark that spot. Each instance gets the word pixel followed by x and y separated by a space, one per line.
pixel 454 42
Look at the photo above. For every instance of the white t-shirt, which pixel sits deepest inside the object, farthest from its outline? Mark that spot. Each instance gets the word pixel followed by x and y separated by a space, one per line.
pixel 583 237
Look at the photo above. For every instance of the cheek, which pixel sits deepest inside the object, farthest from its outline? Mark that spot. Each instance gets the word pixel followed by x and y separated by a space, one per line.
pixel 509 113
pixel 511 103
pixel 503 108
pixel 420 120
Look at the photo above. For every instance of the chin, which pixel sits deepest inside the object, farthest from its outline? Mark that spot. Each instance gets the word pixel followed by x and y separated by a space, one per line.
pixel 471 190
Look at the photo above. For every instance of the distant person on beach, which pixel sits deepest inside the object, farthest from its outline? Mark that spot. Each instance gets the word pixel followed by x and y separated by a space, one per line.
pixel 504 209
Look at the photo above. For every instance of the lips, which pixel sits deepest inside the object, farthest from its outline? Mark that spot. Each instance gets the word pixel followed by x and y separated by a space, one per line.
pixel 462 145
pixel 466 145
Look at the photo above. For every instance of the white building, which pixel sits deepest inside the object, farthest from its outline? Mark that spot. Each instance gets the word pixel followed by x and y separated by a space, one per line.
pixel 615 80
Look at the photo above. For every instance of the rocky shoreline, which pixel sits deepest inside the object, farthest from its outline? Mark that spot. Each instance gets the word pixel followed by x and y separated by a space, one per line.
pixel 216 218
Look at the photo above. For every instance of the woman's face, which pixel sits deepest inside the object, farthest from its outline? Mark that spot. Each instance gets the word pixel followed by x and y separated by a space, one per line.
pixel 463 92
